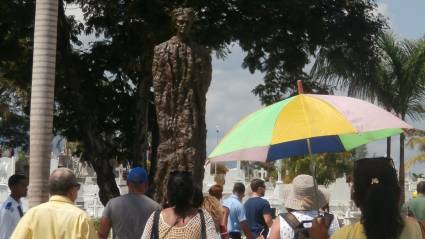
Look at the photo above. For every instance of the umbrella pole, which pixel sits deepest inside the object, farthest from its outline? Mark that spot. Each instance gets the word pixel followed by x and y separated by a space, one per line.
pixel 312 161
pixel 312 168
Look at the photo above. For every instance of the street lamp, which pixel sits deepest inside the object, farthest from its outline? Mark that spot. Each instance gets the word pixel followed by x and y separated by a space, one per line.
pixel 217 131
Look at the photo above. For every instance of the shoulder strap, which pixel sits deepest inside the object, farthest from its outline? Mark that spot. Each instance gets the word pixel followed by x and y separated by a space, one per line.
pixel 155 227
pixel 291 220
pixel 328 219
pixel 203 227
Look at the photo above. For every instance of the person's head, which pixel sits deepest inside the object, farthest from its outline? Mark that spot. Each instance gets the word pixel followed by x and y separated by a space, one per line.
pixel 258 187
pixel 213 207
pixel 18 185
pixel 239 190
pixel 420 187
pixel 64 183
pixel 216 191
pixel 180 191
pixel 137 180
pixel 304 194
pixel 182 19
pixel 377 193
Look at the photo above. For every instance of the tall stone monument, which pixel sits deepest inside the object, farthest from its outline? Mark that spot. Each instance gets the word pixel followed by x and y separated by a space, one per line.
pixel 181 72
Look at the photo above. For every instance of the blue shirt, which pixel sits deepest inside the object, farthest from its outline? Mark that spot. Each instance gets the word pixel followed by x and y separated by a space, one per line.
pixel 9 217
pixel 236 213
pixel 255 207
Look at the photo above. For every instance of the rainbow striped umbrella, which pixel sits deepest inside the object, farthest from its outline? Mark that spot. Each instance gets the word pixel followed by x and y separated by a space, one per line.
pixel 306 124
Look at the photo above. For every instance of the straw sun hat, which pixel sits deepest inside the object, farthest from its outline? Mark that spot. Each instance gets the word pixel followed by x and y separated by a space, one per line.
pixel 304 195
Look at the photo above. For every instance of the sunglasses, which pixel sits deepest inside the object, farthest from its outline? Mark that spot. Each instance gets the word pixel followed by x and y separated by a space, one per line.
pixel 76 185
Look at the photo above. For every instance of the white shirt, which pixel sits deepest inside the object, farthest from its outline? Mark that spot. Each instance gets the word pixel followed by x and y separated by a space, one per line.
pixel 9 217
pixel 286 231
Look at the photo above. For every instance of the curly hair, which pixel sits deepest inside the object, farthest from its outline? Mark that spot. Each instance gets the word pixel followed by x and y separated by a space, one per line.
pixel 213 207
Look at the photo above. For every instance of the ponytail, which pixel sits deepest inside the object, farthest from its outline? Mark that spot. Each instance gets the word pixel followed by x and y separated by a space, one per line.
pixel 377 194
pixel 381 213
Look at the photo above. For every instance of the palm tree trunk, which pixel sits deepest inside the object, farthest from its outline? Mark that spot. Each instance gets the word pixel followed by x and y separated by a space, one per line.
pixel 401 169
pixel 42 94
pixel 389 147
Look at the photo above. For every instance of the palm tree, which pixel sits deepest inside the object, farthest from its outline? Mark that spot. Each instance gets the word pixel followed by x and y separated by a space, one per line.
pixel 42 93
pixel 396 79
pixel 402 81
pixel 416 139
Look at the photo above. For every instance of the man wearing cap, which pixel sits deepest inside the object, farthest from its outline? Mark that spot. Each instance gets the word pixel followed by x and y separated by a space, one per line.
pixel 302 203
pixel 128 214
pixel 59 217
pixel 11 209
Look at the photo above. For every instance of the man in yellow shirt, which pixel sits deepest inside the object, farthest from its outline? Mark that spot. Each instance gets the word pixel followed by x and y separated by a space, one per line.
pixel 59 217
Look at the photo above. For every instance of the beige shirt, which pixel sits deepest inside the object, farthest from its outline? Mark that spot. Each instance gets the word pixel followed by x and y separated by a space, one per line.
pixel 192 230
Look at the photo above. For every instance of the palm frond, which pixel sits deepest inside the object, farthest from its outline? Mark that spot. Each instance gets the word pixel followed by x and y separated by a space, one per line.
pixel 411 162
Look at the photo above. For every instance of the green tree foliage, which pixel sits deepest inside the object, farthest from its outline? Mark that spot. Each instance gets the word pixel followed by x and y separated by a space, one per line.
pixel 329 166
pixel 103 97
pixel 343 34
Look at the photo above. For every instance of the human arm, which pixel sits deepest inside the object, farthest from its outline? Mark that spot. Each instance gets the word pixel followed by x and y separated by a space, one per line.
pixel 148 228
pixel 86 230
pixel 319 229
pixel 268 219
pixel 246 230
pixel 104 228
pixel 225 216
pixel 267 215
pixel 105 222
pixel 275 230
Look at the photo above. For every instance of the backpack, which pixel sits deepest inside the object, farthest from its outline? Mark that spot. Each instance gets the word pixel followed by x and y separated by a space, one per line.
pixel 155 226
pixel 300 232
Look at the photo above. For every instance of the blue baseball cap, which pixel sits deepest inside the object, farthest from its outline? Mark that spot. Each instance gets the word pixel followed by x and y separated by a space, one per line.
pixel 137 175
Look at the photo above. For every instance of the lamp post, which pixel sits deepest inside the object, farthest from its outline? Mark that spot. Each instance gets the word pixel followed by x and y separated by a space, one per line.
pixel 217 131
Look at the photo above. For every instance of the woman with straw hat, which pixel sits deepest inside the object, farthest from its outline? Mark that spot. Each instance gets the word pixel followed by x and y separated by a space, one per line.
pixel 303 203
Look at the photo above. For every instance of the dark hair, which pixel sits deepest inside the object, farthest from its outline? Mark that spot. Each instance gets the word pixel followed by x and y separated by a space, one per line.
pixel 15 180
pixel 239 188
pixel 61 181
pixel 216 191
pixel 377 193
pixel 420 187
pixel 198 197
pixel 180 192
pixel 257 183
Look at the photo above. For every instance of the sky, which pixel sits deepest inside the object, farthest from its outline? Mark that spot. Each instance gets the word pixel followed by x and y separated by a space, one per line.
pixel 230 96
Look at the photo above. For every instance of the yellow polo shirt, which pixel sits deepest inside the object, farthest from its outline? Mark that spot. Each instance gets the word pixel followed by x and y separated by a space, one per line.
pixel 411 230
pixel 57 218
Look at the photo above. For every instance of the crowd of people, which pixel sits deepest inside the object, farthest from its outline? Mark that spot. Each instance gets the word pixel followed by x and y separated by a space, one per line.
pixel 188 214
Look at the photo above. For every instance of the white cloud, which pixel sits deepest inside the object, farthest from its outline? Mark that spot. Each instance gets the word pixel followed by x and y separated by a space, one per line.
pixel 229 98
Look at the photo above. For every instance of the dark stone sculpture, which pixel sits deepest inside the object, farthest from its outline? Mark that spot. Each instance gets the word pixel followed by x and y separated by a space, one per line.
pixel 181 72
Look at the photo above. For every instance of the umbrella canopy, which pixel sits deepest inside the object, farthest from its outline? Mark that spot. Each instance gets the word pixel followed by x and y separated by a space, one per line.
pixel 304 124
